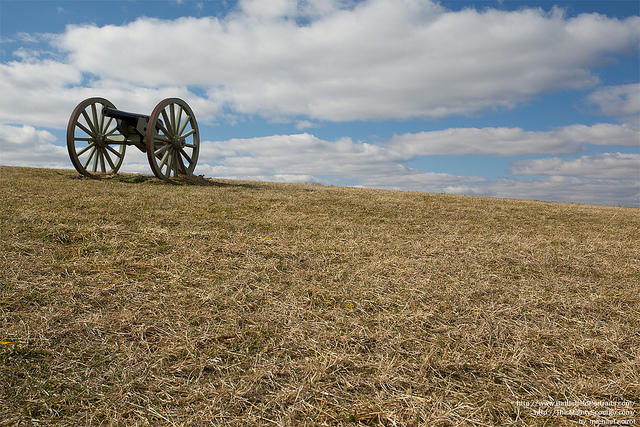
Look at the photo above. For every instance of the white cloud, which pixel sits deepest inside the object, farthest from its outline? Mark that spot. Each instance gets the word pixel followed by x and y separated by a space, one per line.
pixel 604 179
pixel 27 146
pixel 565 189
pixel 304 158
pixel 378 59
pixel 553 188
pixel 44 93
pixel 135 161
pixel 28 38
pixel 304 124
pixel 415 180
pixel 301 154
pixel 606 165
pixel 272 9
pixel 512 141
pixel 618 101
pixel 316 9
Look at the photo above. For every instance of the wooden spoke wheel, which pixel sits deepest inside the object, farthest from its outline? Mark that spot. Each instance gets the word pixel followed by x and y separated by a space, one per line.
pixel 173 139
pixel 94 143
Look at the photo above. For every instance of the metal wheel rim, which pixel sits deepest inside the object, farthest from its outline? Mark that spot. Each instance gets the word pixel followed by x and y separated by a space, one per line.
pixel 93 141
pixel 173 139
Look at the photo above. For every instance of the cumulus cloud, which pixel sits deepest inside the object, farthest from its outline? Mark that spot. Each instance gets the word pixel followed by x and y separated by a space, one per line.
pixel 304 158
pixel 334 60
pixel 43 93
pixel 32 90
pixel 619 101
pixel 304 124
pixel 606 165
pixel 610 178
pixel 553 188
pixel 302 154
pixel 358 161
pixel 27 146
pixel 512 141
pixel 312 159
pixel 565 189
pixel 306 153
pixel 602 179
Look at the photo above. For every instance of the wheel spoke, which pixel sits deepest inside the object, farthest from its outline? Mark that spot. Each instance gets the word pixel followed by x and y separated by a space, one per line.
pixel 83 139
pixel 84 150
pixel 167 121
pixel 162 128
pixel 102 128
pixel 176 165
pixel 88 120
pixel 183 168
pixel 186 156
pixel 161 150
pixel 81 126
pixel 95 118
pixel 102 161
pixel 169 163
pixel 172 113
pixel 187 119
pixel 190 145
pixel 86 163
pixel 164 159
pixel 95 161
pixel 188 134
pixel 106 127
pixel 179 119
pixel 106 155
pixel 113 151
pixel 159 138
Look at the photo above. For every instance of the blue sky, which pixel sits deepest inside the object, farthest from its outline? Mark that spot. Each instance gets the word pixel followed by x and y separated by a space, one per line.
pixel 524 99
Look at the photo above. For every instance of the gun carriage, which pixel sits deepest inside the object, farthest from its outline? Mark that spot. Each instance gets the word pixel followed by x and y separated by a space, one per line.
pixel 98 134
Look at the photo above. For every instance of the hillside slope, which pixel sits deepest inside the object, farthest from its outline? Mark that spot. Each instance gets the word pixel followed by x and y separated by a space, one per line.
pixel 127 300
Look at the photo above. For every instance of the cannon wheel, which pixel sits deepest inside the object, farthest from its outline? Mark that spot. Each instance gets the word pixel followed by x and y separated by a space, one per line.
pixel 91 138
pixel 173 139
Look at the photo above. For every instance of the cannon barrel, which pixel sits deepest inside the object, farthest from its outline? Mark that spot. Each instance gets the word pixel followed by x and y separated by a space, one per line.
pixel 123 115
pixel 129 124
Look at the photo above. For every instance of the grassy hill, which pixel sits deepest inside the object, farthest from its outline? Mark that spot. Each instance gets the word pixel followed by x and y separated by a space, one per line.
pixel 127 300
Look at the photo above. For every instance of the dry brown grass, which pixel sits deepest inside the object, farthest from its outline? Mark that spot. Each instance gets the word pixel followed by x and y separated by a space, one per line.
pixel 251 303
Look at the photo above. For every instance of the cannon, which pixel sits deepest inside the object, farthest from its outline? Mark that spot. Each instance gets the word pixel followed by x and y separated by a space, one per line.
pixel 98 134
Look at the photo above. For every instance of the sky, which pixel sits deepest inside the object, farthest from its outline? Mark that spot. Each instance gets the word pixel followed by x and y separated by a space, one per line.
pixel 518 99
